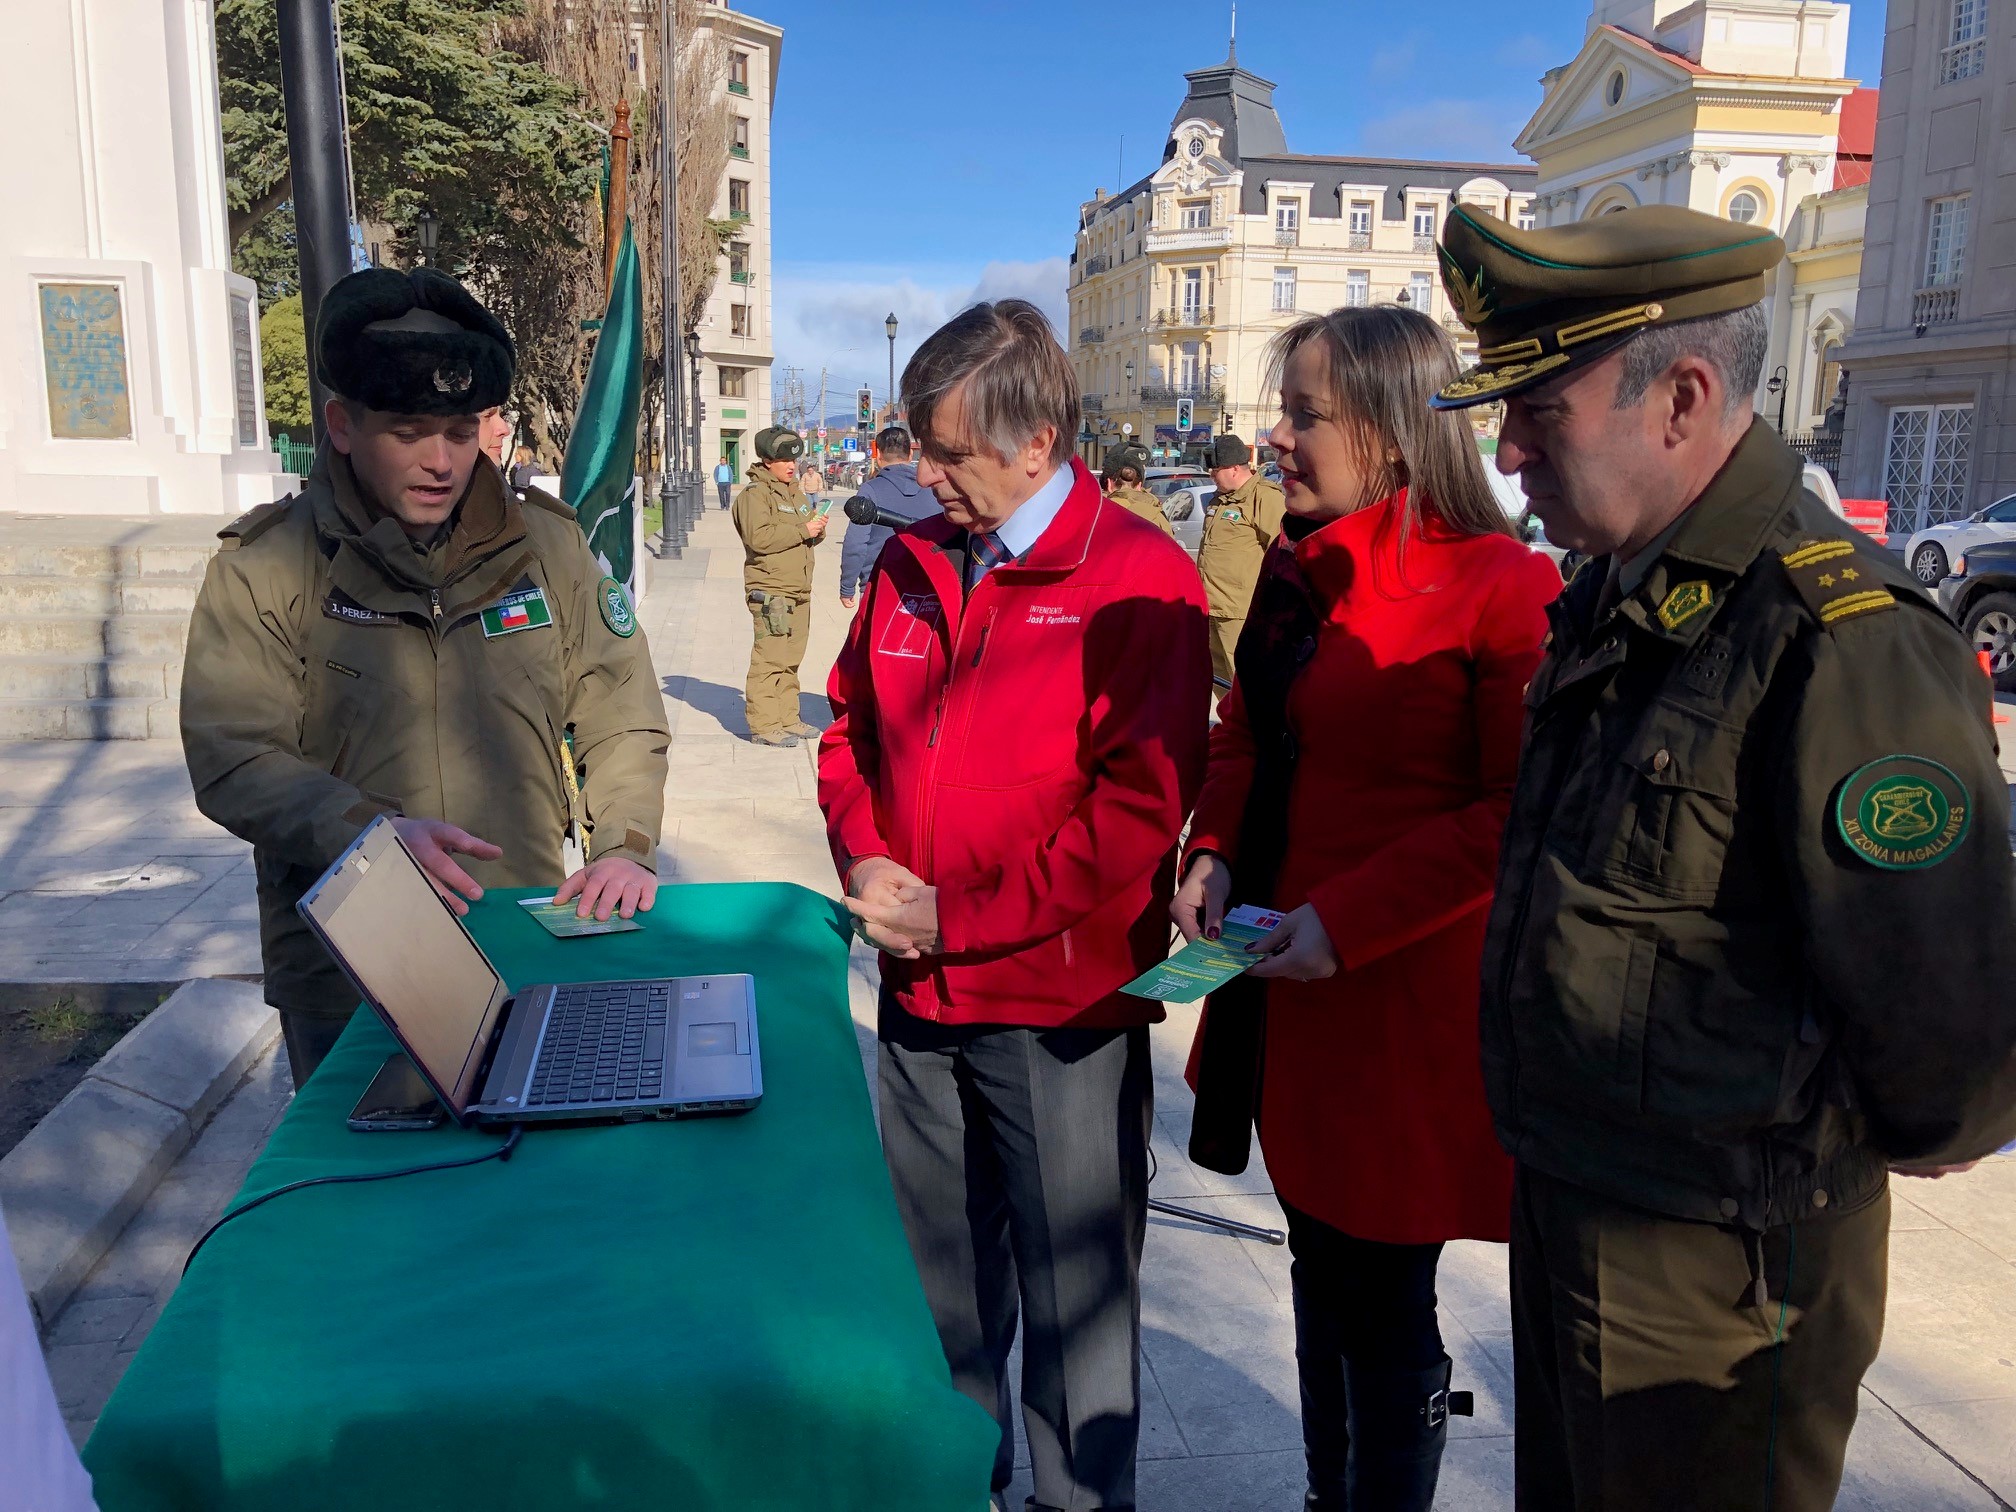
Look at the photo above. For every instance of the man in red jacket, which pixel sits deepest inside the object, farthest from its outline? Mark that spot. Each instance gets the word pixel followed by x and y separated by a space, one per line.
pixel 1019 730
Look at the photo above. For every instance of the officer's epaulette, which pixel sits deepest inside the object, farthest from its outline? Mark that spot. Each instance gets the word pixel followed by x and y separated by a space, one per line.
pixel 1824 569
pixel 254 523
pixel 545 501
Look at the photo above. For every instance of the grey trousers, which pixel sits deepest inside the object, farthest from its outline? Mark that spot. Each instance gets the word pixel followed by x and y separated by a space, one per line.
pixel 309 1037
pixel 1020 1163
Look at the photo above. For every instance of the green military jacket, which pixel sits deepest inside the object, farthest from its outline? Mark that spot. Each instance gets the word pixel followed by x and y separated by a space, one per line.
pixel 1143 503
pixel 336 671
pixel 771 516
pixel 1238 528
pixel 1753 934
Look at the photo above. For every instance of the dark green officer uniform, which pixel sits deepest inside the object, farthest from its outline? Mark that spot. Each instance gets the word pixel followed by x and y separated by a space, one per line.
pixel 1125 466
pixel 1752 940
pixel 770 516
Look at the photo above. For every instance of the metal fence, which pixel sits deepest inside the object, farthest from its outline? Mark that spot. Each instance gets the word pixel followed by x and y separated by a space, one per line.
pixel 1822 448
pixel 295 456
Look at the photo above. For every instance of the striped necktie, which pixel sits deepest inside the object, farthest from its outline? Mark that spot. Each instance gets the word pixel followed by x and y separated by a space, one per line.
pixel 984 552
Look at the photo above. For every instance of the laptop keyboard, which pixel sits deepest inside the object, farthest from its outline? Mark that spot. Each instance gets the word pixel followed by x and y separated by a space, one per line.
pixel 605 1042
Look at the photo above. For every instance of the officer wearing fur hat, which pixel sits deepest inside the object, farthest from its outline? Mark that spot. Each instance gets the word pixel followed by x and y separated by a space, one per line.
pixel 406 636
pixel 779 526
pixel 1240 523
pixel 1752 947
pixel 1125 467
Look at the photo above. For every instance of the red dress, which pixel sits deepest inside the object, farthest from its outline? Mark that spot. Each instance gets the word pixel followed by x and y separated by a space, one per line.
pixel 1407 720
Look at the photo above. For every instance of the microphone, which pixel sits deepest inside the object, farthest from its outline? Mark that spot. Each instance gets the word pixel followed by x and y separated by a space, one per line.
pixel 865 511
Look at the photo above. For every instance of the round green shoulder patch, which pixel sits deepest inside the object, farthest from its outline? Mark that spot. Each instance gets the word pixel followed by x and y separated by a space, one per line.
pixel 616 611
pixel 1902 812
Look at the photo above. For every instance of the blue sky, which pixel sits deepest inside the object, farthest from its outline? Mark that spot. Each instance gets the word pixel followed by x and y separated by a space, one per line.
pixel 928 154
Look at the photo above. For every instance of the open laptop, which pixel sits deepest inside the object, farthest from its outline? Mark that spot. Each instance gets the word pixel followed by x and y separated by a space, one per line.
pixel 575 1050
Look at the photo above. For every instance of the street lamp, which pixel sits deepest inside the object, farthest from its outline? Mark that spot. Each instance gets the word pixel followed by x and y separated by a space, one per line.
pixel 699 406
pixel 430 235
pixel 889 325
pixel 1777 386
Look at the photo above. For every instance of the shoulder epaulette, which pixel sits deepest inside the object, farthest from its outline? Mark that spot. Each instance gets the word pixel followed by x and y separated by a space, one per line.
pixel 545 501
pixel 1825 571
pixel 254 523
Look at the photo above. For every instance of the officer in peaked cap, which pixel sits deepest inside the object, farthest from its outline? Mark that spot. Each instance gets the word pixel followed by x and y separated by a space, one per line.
pixel 779 526
pixel 408 637
pixel 1121 474
pixel 1240 523
pixel 1751 949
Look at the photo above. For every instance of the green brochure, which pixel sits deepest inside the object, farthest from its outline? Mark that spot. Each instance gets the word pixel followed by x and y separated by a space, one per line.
pixel 561 921
pixel 1204 965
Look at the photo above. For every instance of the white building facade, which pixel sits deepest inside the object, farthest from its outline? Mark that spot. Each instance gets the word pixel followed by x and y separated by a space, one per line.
pixel 129 352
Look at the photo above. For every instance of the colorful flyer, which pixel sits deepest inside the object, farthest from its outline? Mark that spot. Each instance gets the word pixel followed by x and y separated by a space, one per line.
pixel 1204 965
pixel 562 922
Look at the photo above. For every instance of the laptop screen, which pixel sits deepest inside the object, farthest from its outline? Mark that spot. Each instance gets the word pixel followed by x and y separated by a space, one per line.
pixel 411 956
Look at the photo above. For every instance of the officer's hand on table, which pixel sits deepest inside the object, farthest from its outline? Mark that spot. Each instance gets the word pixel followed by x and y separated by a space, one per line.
pixel 435 844
pixel 1199 904
pixel 612 884
pixel 896 909
pixel 1299 949
pixel 816 526
pixel 1933 1173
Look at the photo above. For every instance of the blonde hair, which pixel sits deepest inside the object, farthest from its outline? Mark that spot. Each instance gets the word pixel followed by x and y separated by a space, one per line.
pixel 1384 365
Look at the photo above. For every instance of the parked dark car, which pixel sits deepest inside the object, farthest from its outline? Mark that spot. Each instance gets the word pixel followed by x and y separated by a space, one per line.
pixel 1981 598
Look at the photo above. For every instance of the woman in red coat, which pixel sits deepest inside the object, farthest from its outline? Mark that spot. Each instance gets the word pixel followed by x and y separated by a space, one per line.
pixel 1380 688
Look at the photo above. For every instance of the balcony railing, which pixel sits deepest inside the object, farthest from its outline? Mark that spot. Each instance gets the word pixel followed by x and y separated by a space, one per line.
pixel 1182 316
pixel 1424 243
pixel 1359 241
pixel 1091 404
pixel 1186 239
pixel 1963 60
pixel 737 150
pixel 1097 264
pixel 1091 334
pixel 740 216
pixel 1169 393
pixel 736 86
pixel 1286 236
pixel 1930 307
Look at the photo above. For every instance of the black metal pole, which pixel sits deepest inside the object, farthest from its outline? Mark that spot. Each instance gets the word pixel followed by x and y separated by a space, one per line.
pixel 318 160
pixel 699 463
pixel 671 532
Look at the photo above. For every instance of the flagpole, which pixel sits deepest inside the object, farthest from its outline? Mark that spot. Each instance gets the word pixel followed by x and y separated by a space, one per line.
pixel 618 208
pixel 671 525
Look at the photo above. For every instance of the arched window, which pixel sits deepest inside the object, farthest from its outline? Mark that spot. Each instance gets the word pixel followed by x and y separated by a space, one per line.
pixel 1744 207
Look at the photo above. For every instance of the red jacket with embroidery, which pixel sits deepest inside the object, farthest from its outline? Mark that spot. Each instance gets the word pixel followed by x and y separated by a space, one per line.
pixel 1031 752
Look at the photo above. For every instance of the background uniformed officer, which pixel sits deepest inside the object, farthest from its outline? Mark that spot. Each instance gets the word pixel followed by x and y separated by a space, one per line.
pixel 779 526
pixel 1122 473
pixel 1240 523
pixel 408 636
pixel 1752 946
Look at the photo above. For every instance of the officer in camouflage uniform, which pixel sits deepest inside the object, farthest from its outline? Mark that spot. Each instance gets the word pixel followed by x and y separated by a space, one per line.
pixel 1752 947
pixel 1240 523
pixel 779 527
pixel 1125 466
pixel 408 636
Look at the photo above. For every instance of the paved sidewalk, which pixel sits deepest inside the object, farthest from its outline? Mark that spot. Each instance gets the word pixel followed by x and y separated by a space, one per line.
pixel 1220 1429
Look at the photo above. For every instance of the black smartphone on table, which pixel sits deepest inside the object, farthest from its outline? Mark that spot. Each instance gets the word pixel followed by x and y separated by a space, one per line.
pixel 397 1101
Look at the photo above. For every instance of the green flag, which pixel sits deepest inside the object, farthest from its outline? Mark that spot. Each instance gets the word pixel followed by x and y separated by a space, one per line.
pixel 599 475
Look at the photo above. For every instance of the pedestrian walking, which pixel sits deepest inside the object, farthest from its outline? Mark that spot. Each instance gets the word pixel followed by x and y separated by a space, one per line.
pixel 894 488
pixel 1359 776
pixel 724 481
pixel 1752 944
pixel 407 636
pixel 1125 467
pixel 779 526
pixel 1005 834
pixel 1241 521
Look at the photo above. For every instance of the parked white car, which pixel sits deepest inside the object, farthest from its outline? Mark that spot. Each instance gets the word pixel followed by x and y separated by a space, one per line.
pixel 1931 553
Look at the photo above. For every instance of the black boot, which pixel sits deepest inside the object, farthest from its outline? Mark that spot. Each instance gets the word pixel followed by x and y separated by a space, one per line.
pixel 1399 1423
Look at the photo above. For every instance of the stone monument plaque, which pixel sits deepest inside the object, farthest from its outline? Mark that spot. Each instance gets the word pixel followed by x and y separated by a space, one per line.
pixel 84 362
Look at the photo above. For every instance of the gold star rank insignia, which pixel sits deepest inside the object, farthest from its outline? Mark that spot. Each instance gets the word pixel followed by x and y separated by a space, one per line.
pixel 1826 580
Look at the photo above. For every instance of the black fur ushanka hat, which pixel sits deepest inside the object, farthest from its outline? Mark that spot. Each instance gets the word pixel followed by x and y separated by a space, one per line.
pixel 411 342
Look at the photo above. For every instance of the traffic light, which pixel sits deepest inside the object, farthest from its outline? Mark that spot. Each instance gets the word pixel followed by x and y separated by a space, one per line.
pixel 864 408
pixel 1185 411
pixel 699 409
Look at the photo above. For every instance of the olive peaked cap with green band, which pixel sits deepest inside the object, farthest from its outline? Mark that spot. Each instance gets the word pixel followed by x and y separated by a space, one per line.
pixel 1544 301
pixel 779 443
pixel 411 342
pixel 1127 454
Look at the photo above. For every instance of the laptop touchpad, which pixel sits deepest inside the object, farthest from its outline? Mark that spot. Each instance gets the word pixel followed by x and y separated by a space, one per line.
pixel 710 1039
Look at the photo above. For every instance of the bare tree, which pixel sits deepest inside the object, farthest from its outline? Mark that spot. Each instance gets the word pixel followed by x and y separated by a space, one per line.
pixel 609 50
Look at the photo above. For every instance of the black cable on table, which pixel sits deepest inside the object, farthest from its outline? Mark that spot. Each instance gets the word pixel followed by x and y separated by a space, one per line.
pixel 502 1152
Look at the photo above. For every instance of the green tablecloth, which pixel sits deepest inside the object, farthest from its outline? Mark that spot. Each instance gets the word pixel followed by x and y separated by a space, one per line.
pixel 709 1314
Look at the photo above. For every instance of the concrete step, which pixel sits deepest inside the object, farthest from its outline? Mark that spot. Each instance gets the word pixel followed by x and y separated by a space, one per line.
pixel 34 558
pixel 88 718
pixel 71 677
pixel 82 636
pixel 46 593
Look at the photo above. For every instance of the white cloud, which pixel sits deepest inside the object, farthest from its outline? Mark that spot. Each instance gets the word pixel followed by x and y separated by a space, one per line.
pixel 833 314
pixel 1467 130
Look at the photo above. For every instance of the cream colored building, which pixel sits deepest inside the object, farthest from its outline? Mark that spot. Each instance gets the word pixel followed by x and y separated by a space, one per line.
pixel 735 330
pixel 1735 108
pixel 1178 281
